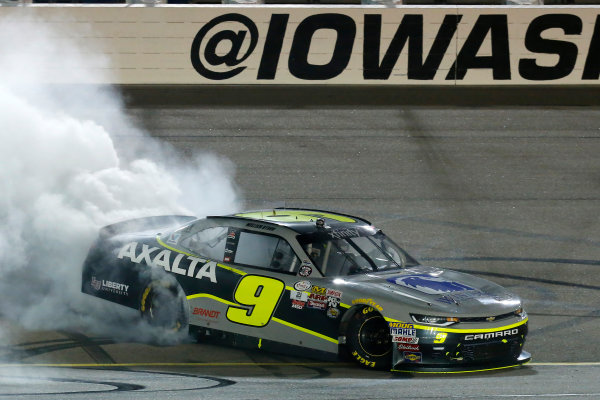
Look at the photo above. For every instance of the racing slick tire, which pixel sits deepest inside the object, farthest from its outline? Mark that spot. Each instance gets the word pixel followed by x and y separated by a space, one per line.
pixel 368 339
pixel 163 305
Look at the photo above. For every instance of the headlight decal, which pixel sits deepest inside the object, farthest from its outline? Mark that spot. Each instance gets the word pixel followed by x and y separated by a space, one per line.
pixel 434 320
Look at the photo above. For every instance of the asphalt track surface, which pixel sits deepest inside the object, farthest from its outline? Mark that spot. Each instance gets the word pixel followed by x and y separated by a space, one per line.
pixel 509 193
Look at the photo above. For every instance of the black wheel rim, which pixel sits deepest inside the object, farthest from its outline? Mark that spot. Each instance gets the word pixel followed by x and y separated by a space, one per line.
pixel 374 337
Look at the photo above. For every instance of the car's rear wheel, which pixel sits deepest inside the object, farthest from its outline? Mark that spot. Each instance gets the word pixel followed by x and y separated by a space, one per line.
pixel 163 305
pixel 368 339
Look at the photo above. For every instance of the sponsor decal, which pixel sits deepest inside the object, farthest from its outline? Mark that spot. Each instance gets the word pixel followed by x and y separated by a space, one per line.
pixel 429 284
pixel 403 332
pixel 319 290
pixel 259 226
pixel 305 270
pixel 333 293
pixel 96 284
pixel 298 295
pixel 297 304
pixel 228 251
pixel 316 304
pixel 343 233
pixel 203 312
pixel 222 47
pixel 409 347
pixel 333 312
pixel 333 301
pixel 109 286
pixel 492 335
pixel 411 356
pixel 369 302
pixel 405 339
pixel 318 297
pixel 227 259
pixel 231 235
pixel 177 263
pixel 406 325
pixel 174 238
pixel 302 285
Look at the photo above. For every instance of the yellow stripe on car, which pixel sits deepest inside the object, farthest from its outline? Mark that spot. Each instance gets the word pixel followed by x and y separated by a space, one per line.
pixel 283 215
pixel 442 329
pixel 210 296
pixel 289 324
pixel 279 321
pixel 461 371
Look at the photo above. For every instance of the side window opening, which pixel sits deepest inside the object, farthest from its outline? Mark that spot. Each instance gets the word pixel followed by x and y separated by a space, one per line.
pixel 265 251
pixel 209 242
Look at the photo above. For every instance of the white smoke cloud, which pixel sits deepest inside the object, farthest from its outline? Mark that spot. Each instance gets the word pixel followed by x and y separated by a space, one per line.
pixel 62 178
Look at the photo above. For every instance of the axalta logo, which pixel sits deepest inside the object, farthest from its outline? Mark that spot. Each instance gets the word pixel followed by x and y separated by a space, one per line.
pixel 181 264
pixel 492 335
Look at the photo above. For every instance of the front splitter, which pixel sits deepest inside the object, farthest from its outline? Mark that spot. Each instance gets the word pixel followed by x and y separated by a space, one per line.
pixel 523 358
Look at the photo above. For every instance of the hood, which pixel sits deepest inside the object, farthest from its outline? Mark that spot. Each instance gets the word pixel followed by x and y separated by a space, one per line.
pixel 445 291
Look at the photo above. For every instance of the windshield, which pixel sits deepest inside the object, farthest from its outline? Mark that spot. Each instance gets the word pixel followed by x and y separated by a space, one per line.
pixel 354 255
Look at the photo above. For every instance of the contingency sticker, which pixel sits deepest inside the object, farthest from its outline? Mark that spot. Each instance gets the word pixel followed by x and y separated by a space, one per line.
pixel 302 285
pixel 411 356
pixel 305 270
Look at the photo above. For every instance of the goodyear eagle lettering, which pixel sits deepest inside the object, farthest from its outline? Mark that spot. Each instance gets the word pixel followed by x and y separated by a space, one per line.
pixel 370 302
pixel 181 264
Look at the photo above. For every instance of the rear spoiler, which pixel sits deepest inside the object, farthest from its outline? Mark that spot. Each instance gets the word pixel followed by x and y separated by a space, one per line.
pixel 141 224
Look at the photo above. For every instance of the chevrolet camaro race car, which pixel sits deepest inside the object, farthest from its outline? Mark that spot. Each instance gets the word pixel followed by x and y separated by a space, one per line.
pixel 306 282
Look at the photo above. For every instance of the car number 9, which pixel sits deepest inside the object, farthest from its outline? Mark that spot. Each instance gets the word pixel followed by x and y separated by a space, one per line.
pixel 259 295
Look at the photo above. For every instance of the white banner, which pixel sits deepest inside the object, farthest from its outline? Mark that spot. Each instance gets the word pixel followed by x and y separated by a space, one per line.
pixel 345 45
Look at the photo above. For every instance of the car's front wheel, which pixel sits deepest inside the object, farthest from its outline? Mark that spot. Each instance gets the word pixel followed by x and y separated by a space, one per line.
pixel 368 339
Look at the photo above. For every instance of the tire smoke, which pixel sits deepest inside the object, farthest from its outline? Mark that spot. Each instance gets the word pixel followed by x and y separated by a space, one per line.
pixel 62 178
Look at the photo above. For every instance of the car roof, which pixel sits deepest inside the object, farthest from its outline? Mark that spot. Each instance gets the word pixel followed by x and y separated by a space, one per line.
pixel 301 220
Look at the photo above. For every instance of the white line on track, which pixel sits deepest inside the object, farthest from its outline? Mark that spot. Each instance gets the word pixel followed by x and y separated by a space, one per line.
pixel 565 364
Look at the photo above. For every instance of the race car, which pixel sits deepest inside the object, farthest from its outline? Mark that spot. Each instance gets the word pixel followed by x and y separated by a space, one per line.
pixel 306 282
